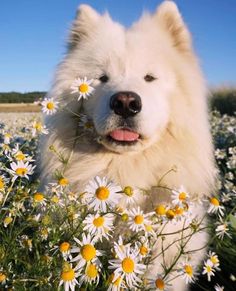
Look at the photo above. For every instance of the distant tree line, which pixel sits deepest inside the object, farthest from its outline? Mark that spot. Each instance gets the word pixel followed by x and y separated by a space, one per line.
pixel 223 100
pixel 16 97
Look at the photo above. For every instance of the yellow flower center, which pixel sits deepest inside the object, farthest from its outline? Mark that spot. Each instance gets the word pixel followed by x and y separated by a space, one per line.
pixel 117 282
pixel 124 217
pixel 138 219
pixel 188 270
pixel 2 277
pixel 88 125
pixel 128 191
pixel 128 265
pixel 7 135
pixel 64 247
pixel 20 156
pixel 160 284
pixel 182 196
pixel 27 243
pixel 6 147
pixel 160 209
pixel 44 232
pixel 214 260
pixel 209 269
pixel 99 221
pixel 143 250
pixel 68 275
pixel 7 220
pixel 148 227
pixel 50 105
pixel 38 197
pixel 21 171
pixel 83 88
pixel 91 271
pixel 102 193
pixel 170 214
pixel 2 184
pixel 88 252
pixel 63 182
pixel 214 201
pixel 38 126
pixel 178 210
pixel 55 199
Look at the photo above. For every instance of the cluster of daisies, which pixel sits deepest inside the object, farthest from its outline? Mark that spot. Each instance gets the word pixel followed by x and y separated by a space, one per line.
pixel 81 87
pixel 98 253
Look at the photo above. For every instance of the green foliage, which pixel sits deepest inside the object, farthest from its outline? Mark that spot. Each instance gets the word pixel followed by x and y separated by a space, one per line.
pixel 16 97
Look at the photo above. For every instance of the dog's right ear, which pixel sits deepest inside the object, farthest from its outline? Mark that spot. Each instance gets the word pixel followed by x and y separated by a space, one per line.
pixel 86 18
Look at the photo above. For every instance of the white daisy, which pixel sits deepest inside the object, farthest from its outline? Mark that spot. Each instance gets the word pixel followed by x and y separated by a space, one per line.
pixel 180 196
pixel 86 123
pixel 186 270
pixel 21 169
pixel 157 284
pixel 131 195
pixel 183 212
pixel 18 155
pixel 26 242
pixel 143 247
pixel 65 249
pixel 115 285
pixel 215 206
pixel 5 148
pixel 82 86
pixel 7 138
pixel 208 269
pixel 49 106
pixel 137 220
pixel 222 229
pixel 101 194
pixel 161 210
pixel 7 220
pixel 91 274
pixel 127 266
pixel 214 259
pixel 219 288
pixel 39 198
pixel 99 225
pixel 87 253
pixel 68 277
pixel 38 128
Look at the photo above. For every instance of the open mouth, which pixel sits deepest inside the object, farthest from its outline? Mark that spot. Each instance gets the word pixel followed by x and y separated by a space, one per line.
pixel 123 136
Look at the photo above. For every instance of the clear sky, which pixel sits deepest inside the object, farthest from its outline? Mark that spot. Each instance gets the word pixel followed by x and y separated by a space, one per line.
pixel 33 34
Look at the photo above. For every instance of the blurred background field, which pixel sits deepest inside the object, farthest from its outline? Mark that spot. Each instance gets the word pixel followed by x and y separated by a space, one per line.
pixel 222 99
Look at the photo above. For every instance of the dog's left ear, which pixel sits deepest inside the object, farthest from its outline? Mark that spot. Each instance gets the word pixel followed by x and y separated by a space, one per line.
pixel 169 17
pixel 85 20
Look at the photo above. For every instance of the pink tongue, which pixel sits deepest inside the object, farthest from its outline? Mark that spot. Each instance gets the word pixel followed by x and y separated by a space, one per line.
pixel 124 135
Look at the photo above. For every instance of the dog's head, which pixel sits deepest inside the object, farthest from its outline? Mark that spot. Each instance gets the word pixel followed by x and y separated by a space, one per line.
pixel 136 73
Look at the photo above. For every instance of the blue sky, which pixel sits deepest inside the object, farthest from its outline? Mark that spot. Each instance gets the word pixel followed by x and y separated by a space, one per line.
pixel 33 34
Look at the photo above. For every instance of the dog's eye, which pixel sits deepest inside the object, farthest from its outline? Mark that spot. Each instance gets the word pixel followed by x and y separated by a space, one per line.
pixel 104 78
pixel 149 78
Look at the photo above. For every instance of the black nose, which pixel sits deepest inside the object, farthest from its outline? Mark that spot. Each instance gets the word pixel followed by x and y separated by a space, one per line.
pixel 126 104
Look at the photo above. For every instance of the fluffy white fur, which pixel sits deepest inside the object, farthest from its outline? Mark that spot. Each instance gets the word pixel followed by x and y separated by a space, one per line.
pixel 173 121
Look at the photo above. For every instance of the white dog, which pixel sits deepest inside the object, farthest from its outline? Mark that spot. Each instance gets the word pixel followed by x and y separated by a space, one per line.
pixel 148 109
